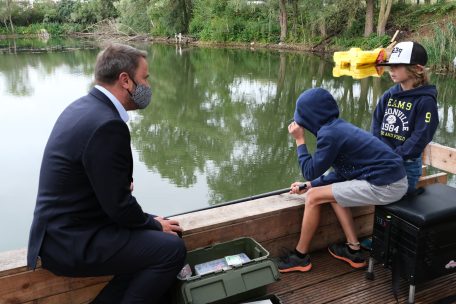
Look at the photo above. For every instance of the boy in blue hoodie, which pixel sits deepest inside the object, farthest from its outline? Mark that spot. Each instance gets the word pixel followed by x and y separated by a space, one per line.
pixel 406 116
pixel 365 172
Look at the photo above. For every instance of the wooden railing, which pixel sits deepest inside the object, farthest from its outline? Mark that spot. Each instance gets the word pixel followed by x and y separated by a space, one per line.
pixel 273 221
pixel 440 157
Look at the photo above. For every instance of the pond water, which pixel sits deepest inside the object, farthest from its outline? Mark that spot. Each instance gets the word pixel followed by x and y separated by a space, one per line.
pixel 216 129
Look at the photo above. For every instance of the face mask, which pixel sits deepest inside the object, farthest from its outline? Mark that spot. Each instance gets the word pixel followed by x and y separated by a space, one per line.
pixel 141 96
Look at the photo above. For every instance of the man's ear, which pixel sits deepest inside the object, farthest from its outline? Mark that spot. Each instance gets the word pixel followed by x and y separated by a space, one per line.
pixel 124 80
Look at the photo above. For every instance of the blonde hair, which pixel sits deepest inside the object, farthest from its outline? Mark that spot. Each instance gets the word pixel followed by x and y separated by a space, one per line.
pixel 419 74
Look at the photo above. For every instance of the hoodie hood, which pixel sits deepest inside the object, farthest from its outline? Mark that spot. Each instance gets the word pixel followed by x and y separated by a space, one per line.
pixel 315 108
pixel 429 90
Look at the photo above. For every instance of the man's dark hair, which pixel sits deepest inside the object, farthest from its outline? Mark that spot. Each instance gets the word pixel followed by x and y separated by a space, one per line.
pixel 115 59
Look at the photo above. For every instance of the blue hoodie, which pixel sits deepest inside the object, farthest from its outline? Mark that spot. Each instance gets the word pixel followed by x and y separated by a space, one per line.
pixel 406 120
pixel 353 153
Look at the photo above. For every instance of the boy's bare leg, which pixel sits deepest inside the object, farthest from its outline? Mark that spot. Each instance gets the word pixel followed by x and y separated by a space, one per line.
pixel 311 219
pixel 344 215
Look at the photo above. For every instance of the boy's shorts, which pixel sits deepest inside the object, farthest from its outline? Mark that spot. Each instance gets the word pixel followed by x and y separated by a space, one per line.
pixel 356 193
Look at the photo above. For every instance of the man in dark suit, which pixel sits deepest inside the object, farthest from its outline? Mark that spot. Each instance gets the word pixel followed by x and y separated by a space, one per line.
pixel 86 221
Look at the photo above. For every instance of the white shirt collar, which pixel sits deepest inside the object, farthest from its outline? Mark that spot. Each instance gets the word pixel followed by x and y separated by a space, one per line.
pixel 122 112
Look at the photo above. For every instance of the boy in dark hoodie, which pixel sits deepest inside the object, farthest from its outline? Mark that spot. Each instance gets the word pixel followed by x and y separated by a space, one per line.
pixel 366 172
pixel 406 116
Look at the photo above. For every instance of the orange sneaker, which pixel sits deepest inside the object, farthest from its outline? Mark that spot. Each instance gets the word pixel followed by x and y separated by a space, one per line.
pixel 290 262
pixel 341 252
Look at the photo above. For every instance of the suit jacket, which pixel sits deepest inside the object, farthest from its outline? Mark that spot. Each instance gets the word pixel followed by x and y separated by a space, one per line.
pixel 84 206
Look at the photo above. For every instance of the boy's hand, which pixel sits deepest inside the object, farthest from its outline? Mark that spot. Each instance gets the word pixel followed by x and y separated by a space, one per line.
pixel 294 188
pixel 297 132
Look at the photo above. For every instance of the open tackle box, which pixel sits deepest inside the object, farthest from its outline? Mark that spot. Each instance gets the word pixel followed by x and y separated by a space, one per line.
pixel 229 272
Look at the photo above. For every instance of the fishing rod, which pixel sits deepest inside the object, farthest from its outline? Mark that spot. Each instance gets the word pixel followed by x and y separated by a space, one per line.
pixel 245 199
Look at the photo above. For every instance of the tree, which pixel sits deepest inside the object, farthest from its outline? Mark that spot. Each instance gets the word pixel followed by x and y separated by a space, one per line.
pixel 134 14
pixel 170 16
pixel 6 12
pixel 369 23
pixel 283 20
pixel 105 9
pixel 64 9
pixel 385 9
pixel 295 16
pixel 3 13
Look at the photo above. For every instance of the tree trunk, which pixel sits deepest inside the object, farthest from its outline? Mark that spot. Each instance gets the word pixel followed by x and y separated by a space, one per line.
pixel 283 20
pixel 385 9
pixel 185 15
pixel 295 17
pixel 8 10
pixel 369 24
pixel 322 27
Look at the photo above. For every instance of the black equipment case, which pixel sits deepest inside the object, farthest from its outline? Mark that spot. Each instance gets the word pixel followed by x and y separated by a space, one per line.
pixel 416 237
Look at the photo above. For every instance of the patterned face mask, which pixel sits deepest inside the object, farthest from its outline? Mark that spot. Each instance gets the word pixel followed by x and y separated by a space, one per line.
pixel 142 95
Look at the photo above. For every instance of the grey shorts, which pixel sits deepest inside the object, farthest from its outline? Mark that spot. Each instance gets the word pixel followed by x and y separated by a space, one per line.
pixel 355 193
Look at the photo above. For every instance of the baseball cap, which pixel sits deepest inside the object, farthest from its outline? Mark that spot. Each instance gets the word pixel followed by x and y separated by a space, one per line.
pixel 407 53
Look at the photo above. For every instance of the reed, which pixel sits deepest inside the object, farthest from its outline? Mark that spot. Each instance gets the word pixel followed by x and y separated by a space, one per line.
pixel 441 48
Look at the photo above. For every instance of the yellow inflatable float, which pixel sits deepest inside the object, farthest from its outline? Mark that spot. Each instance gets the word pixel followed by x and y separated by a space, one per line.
pixel 358 73
pixel 355 57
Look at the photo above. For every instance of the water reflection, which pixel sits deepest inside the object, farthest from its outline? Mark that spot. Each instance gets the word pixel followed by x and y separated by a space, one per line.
pixel 224 113
pixel 216 129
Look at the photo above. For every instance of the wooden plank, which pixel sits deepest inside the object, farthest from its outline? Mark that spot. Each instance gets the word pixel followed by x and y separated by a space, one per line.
pixel 440 157
pixel 334 288
pixel 424 169
pixel 325 235
pixel 265 228
pixel 237 213
pixel 441 178
pixel 31 285
pixel 13 261
pixel 77 296
pixel 280 206
pixel 333 281
pixel 324 267
pixel 429 292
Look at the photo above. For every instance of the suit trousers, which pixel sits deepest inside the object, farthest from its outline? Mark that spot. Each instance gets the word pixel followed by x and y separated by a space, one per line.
pixel 144 269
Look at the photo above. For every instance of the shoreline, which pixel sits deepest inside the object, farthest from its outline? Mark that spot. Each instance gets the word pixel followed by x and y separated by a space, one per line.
pixel 321 49
pixel 186 41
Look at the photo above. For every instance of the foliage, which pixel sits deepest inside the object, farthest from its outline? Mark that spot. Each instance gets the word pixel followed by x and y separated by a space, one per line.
pixel 339 24
pixel 410 17
pixel 54 29
pixel 371 42
pixel 134 16
pixel 235 20
pixel 441 48
pixel 48 11
pixel 335 16
pixel 170 16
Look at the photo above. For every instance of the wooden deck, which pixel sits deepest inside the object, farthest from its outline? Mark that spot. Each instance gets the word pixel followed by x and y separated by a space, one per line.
pixel 333 281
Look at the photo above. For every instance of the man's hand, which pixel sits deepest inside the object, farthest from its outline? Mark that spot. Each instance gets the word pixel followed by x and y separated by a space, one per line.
pixel 170 226
pixel 297 132
pixel 294 188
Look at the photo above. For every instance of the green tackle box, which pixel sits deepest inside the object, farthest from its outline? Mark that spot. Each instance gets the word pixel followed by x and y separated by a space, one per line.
pixel 233 285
